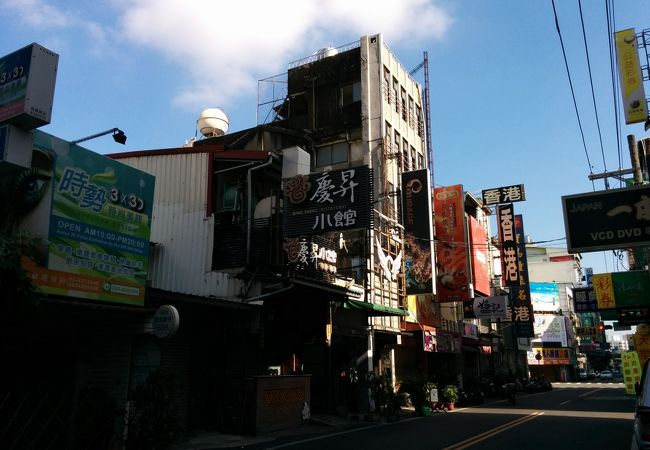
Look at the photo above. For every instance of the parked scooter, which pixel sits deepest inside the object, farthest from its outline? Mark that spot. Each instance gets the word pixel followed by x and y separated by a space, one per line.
pixel 472 395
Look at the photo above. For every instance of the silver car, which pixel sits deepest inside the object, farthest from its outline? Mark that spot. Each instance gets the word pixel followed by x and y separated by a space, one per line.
pixel 606 375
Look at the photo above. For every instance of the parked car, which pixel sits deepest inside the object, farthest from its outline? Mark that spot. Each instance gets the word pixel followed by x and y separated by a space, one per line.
pixel 582 374
pixel 591 375
pixel 606 375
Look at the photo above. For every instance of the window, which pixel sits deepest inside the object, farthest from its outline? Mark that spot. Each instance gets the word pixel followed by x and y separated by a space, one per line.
pixel 397 141
pixel 388 137
pixel 350 93
pixel 396 94
pixel 386 85
pixel 411 115
pixel 404 110
pixel 332 154
pixel 405 148
pixel 418 115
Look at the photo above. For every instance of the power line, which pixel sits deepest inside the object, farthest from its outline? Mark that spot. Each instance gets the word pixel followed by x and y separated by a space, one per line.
pixel 573 95
pixel 611 25
pixel 591 82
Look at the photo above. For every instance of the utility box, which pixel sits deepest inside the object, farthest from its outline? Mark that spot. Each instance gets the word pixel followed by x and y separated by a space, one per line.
pixel 15 149
pixel 27 79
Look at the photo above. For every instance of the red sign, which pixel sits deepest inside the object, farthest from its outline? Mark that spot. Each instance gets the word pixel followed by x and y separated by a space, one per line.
pixel 452 277
pixel 480 257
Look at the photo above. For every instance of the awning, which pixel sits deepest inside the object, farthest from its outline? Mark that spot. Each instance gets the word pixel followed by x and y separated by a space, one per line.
pixel 373 309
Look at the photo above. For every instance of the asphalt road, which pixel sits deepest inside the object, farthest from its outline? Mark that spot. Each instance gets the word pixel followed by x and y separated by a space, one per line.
pixel 571 416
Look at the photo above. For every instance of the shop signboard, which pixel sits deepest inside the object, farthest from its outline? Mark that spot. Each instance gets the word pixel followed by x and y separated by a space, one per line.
pixel 490 308
pixel 452 265
pixel 417 221
pixel 27 79
pixel 504 194
pixel 549 357
pixel 324 202
pixel 521 310
pixel 584 299
pixel 631 370
pixel 99 216
pixel 607 220
pixel 507 239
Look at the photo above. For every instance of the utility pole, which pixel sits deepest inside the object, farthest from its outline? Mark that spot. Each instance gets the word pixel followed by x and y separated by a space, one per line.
pixel 634 157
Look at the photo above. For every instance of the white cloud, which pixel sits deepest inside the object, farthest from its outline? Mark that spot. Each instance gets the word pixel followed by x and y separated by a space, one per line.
pixel 227 46
pixel 36 13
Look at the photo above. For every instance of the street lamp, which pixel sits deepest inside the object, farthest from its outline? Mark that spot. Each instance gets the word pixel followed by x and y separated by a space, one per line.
pixel 118 136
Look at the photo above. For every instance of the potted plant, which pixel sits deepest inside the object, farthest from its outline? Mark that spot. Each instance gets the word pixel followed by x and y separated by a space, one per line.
pixel 449 395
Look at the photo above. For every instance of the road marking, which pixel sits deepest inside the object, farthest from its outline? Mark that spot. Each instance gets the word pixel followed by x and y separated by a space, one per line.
pixel 488 434
pixel 339 433
pixel 565 402
pixel 588 393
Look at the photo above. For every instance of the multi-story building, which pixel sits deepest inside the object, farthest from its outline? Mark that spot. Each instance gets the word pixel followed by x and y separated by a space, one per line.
pixel 267 287
pixel 553 275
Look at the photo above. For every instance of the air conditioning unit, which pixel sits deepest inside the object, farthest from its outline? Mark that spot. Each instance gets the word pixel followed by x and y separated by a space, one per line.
pixel 15 149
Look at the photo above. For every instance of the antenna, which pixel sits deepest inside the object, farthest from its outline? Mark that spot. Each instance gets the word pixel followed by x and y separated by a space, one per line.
pixel 426 107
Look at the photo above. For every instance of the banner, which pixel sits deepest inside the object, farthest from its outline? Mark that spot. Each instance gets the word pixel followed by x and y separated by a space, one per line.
pixel 452 277
pixel 418 234
pixel 630 76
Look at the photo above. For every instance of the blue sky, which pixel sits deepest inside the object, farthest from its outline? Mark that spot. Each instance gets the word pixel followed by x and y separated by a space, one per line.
pixel 501 106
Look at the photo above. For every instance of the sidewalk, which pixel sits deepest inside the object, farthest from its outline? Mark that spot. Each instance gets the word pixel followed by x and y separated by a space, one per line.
pixel 319 425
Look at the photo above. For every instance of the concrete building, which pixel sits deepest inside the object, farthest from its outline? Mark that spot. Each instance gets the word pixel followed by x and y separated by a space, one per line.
pixel 553 274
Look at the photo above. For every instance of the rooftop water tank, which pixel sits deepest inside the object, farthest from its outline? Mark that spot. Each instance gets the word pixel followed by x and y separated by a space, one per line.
pixel 212 122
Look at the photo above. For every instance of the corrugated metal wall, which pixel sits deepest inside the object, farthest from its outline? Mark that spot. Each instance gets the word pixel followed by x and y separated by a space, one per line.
pixel 181 262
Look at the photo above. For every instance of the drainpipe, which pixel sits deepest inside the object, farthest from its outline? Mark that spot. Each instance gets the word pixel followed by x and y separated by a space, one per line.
pixel 250 209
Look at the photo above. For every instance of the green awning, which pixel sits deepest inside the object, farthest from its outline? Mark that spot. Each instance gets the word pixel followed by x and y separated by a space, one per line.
pixel 373 309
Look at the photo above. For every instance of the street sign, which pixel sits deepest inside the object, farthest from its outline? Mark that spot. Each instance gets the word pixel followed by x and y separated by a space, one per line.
pixel 607 220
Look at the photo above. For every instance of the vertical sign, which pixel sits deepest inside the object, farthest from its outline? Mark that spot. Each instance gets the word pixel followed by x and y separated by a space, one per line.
pixel 630 76
pixel 604 289
pixel 416 204
pixel 452 271
pixel 521 308
pixel 509 260
pixel 480 257
pixel 631 371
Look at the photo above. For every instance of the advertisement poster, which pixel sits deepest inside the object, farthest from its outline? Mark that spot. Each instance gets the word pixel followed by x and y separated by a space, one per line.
pixel 545 296
pixel 99 225
pixel 452 271
pixel 416 217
